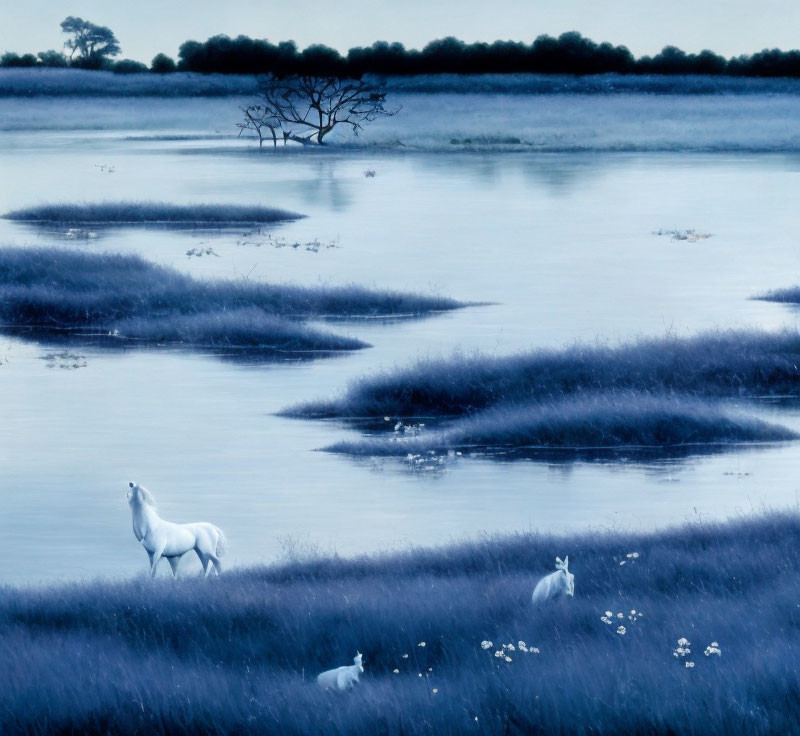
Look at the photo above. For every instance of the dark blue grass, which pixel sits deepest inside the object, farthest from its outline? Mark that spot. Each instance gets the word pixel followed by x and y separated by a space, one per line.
pixel 722 363
pixel 239 654
pixel 790 295
pixel 150 213
pixel 111 297
pixel 249 328
pixel 586 421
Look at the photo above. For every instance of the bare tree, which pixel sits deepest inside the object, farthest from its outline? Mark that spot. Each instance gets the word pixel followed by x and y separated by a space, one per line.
pixel 306 108
pixel 257 119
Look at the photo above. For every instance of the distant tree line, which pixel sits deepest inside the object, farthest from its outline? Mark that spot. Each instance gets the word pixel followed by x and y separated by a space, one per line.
pixel 570 53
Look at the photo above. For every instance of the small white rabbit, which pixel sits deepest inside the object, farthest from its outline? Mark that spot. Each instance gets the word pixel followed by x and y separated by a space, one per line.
pixel 555 585
pixel 342 678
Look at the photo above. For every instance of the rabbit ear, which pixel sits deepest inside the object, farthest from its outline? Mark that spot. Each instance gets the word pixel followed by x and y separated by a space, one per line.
pixel 566 562
pixel 558 561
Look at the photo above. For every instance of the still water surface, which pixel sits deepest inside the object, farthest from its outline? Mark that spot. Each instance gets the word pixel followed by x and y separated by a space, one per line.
pixel 561 244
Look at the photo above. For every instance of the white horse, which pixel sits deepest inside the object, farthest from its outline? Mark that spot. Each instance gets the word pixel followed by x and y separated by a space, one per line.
pixel 164 539
pixel 555 585
pixel 341 678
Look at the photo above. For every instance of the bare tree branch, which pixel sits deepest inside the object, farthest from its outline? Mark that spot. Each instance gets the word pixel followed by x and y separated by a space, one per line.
pixel 315 103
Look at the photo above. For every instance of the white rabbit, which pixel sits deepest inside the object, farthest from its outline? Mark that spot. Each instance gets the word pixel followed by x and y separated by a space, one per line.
pixel 555 585
pixel 342 678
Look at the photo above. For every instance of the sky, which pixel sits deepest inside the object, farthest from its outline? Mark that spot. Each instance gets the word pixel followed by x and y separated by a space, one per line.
pixel 147 27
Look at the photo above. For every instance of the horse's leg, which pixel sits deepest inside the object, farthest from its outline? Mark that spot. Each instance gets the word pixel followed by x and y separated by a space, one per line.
pixel 217 565
pixel 154 558
pixel 173 563
pixel 203 561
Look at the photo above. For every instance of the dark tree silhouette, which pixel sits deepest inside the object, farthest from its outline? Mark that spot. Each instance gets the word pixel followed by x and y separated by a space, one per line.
pixel 93 44
pixel 306 108
pixel 163 64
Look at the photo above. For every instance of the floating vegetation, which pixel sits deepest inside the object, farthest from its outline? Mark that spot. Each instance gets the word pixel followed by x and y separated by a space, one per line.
pixel 256 239
pixel 369 173
pixel 200 252
pixel 65 360
pixel 105 168
pixel 150 213
pixel 79 233
pixel 690 236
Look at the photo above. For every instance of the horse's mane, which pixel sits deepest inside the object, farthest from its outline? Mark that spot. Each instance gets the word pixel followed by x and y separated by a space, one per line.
pixel 147 496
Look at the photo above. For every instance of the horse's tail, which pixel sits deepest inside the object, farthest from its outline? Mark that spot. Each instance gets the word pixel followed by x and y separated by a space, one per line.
pixel 222 543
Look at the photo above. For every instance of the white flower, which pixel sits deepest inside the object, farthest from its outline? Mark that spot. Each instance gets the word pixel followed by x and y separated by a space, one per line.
pixel 508 659
pixel 712 650
pixel 714 644
pixel 609 614
pixel 633 611
pixel 621 630
pixel 486 644
pixel 421 644
pixel 619 615
pixel 499 653
pixel 405 656
pixel 510 647
pixel 683 642
pixel 535 650
pixel 430 669
pixel 476 719
pixel 419 674
pixel 622 563
pixel 435 690
pixel 689 665
pixel 397 672
pixel 521 644
pixel 632 555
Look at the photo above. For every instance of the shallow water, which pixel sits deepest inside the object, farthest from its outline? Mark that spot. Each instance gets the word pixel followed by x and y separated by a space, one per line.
pixel 561 243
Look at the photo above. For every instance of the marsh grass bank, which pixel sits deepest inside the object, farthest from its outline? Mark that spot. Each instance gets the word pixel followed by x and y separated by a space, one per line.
pixel 240 653
pixel 628 419
pixel 124 299
pixel 149 213
pixel 739 363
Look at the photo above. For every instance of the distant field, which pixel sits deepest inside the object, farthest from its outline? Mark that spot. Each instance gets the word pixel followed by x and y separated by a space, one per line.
pixel 34 82
pixel 240 654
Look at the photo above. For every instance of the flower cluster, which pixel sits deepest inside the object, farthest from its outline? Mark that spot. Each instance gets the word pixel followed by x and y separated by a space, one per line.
pixel 630 557
pixel 610 618
pixel 683 650
pixel 713 649
pixel 503 652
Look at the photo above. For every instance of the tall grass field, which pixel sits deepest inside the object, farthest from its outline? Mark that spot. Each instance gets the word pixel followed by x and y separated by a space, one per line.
pixel 691 630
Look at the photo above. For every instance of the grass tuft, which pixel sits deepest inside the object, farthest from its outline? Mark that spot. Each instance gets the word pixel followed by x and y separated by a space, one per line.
pixel 714 364
pixel 593 421
pixel 149 213
pixel 124 298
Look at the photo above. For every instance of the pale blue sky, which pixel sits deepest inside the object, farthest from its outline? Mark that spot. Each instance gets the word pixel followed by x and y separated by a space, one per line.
pixel 146 27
